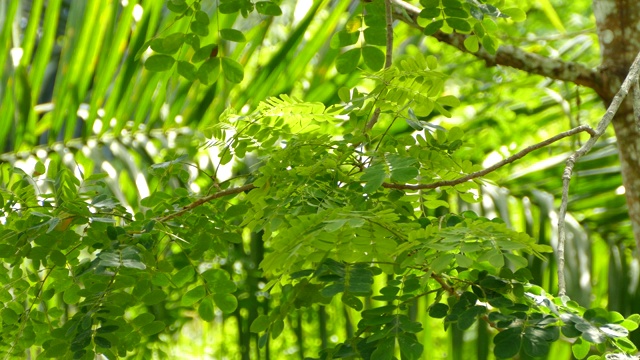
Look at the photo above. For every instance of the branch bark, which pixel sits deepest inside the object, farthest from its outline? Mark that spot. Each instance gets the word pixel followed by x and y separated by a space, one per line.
pixel 388 57
pixel 496 166
pixel 631 78
pixel 205 200
pixel 509 55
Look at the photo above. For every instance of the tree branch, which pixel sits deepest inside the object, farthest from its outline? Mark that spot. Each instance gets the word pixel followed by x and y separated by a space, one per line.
pixel 205 200
pixel 632 78
pixel 388 57
pixel 495 166
pixel 510 55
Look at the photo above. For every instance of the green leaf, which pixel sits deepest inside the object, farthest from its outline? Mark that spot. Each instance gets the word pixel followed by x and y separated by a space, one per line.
pixel 152 328
pixel 9 316
pixel 159 63
pixel 233 71
pixel 373 57
pixel 352 301
pixel 229 7
pixel 375 36
pixel 516 14
pixel 507 343
pixel 410 348
pixel 206 309
pixel 629 325
pixel 199 28
pixel 71 296
pixel 193 296
pixel 177 6
pixel 384 350
pixel 438 310
pixel 533 344
pixel 614 330
pixel 260 324
pixel 183 276
pixel 441 262
pixel 580 349
pixel 232 35
pixel 58 258
pixel 463 260
pixel 6 251
pixel 268 8
pixel 226 302
pixel 187 70
pixel 204 53
pixel 433 27
pixel 489 44
pixel 430 13
pixel 102 342
pixel 373 176
pixel 219 281
pixel 168 45
pixel 209 71
pixel 155 296
pixel 143 319
pixel 344 38
pixel 404 174
pixel 471 43
pixel 107 329
pixel 459 24
pixel 39 169
pixel 202 17
pixel 518 261
pixel 348 61
pixel 456 13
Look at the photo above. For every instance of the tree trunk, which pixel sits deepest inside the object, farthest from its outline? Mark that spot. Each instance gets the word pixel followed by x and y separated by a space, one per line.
pixel 617 24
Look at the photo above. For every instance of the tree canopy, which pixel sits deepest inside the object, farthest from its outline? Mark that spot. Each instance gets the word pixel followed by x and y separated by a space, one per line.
pixel 330 179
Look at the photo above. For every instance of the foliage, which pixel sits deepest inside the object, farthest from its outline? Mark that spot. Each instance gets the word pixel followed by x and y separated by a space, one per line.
pixel 347 215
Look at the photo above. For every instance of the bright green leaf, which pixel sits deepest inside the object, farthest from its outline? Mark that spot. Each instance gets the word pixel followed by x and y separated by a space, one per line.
pixel 193 296
pixel 471 43
pixel 183 276
pixel 233 71
pixel 268 8
pixel 187 70
pixel 159 63
pixel 433 27
pixel 373 57
pixel 373 177
pixel 232 35
pixel 260 324
pixel 152 328
pixel 516 14
pixel 206 309
pixel 580 349
pixel 459 24
pixel 348 61
pixel 226 302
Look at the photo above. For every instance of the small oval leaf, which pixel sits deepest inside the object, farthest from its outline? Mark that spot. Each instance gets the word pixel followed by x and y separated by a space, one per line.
pixel 159 63
pixel 232 35
pixel 233 71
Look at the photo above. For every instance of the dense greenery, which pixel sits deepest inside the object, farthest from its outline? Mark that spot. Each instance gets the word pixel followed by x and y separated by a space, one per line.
pixel 191 175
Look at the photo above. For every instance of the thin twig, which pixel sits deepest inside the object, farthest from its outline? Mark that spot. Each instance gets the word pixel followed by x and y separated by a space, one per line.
pixel 636 103
pixel 388 57
pixel 494 167
pixel 632 78
pixel 205 200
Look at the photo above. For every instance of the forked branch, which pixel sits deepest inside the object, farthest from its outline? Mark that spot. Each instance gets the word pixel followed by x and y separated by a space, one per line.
pixel 631 79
